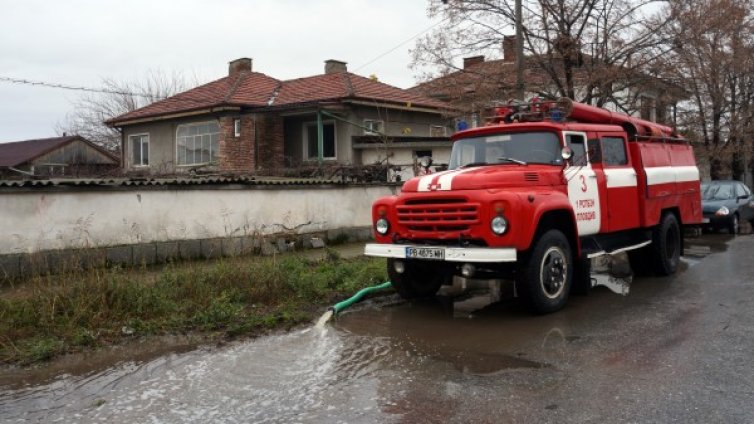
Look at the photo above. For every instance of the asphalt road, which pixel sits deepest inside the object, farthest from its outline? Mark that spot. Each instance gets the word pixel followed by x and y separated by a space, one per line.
pixel 677 349
pixel 674 349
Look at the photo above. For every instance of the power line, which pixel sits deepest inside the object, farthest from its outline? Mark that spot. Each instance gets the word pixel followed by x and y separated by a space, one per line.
pixel 23 81
pixel 403 43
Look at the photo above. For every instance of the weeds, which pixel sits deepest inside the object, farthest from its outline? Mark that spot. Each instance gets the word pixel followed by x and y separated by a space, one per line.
pixel 83 309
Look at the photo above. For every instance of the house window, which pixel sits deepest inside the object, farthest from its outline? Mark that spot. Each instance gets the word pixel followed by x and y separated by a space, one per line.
pixel 197 143
pixel 437 131
pixel 328 140
pixel 139 149
pixel 646 105
pixel 372 127
pixel 237 127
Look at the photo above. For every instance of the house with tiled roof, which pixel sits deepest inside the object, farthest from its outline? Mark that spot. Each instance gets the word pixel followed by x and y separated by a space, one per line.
pixel 69 155
pixel 249 122
pixel 480 82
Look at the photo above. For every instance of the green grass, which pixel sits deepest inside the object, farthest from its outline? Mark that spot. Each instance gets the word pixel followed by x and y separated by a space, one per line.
pixel 50 315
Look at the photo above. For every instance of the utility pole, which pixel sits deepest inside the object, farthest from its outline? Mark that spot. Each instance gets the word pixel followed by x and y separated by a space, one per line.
pixel 519 53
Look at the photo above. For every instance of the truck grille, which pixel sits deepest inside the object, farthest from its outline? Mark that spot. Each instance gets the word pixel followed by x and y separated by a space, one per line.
pixel 454 214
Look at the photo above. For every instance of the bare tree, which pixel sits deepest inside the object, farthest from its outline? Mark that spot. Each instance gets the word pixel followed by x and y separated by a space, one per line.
pixel 91 110
pixel 588 50
pixel 712 54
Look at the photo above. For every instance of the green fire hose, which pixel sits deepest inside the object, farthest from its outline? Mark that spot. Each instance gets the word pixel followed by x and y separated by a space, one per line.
pixel 357 297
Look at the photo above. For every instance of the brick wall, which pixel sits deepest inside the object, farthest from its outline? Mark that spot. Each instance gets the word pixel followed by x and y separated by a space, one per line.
pixel 270 143
pixel 237 153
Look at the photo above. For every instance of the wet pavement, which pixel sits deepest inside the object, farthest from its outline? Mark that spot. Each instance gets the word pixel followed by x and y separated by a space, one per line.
pixel 674 349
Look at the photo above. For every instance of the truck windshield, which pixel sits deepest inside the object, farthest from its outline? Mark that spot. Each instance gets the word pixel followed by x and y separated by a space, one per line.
pixel 515 148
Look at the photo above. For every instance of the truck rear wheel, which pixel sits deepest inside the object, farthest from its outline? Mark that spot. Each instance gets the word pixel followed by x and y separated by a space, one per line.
pixel 419 279
pixel 666 245
pixel 546 274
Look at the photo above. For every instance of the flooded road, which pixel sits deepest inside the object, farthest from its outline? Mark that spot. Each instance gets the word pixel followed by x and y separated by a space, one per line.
pixel 674 349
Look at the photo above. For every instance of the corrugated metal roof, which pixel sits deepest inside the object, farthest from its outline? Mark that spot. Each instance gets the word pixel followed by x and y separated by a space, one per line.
pixel 168 182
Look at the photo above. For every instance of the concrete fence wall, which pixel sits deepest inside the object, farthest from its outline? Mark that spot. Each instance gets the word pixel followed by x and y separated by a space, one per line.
pixel 133 223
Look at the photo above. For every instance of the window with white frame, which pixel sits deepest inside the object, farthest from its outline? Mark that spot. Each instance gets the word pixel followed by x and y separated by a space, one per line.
pixel 139 149
pixel 237 127
pixel 197 143
pixel 311 140
pixel 437 131
pixel 372 127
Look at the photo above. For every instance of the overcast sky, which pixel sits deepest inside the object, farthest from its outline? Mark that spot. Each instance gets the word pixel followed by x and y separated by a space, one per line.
pixel 79 42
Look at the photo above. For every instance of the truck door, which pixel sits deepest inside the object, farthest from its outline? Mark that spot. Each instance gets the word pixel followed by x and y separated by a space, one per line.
pixel 620 180
pixel 583 185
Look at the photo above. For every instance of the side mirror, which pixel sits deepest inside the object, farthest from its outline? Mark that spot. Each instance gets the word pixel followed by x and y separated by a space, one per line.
pixel 566 153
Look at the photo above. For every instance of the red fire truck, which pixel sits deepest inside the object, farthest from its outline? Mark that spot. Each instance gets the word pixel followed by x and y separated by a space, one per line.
pixel 534 195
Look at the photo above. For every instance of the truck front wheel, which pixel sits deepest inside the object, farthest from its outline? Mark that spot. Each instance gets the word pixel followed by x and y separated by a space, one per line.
pixel 666 245
pixel 418 279
pixel 545 276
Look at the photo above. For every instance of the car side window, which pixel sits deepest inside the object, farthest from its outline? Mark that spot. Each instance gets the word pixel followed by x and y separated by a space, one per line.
pixel 746 189
pixel 741 191
pixel 614 151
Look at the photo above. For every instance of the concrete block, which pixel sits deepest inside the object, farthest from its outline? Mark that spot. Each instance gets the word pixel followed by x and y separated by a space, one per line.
pixel 283 245
pixel 144 254
pixel 232 246
pixel 336 236
pixel 34 264
pixel 211 248
pixel 189 249
pixel 119 255
pixel 10 267
pixel 317 243
pixel 250 245
pixel 166 252
pixel 93 258
pixel 267 248
pixel 65 260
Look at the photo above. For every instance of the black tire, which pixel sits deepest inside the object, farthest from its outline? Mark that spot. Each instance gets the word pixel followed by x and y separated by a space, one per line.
pixel 637 259
pixel 418 280
pixel 545 276
pixel 734 226
pixel 582 276
pixel 666 245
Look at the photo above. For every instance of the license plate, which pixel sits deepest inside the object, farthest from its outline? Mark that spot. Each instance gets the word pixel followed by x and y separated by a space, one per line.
pixel 432 253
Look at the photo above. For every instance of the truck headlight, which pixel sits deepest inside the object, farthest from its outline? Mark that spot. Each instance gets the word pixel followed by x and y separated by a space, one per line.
pixel 382 226
pixel 722 211
pixel 499 225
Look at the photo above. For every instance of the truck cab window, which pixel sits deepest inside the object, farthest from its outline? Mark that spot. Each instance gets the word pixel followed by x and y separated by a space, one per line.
pixel 576 143
pixel 614 151
pixel 595 151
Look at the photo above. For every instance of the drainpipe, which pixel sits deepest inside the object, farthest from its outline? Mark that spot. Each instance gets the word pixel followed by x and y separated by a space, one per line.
pixel 320 139
pixel 256 144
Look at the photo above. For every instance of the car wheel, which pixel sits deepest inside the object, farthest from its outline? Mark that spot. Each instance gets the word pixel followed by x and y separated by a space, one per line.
pixel 666 245
pixel 418 279
pixel 546 275
pixel 734 226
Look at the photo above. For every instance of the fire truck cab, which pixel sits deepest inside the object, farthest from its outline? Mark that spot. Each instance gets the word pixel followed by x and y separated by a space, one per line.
pixel 537 193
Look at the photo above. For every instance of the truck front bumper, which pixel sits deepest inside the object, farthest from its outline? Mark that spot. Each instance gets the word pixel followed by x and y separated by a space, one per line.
pixel 451 254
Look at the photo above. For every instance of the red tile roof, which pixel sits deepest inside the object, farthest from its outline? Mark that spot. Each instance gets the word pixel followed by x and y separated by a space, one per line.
pixel 241 89
pixel 253 89
pixel 19 152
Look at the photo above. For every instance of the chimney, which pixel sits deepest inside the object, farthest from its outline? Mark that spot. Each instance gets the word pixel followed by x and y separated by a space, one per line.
pixel 239 65
pixel 333 66
pixel 509 48
pixel 471 61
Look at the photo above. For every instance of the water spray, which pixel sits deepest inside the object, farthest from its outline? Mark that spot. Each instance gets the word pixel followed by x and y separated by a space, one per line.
pixel 335 309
